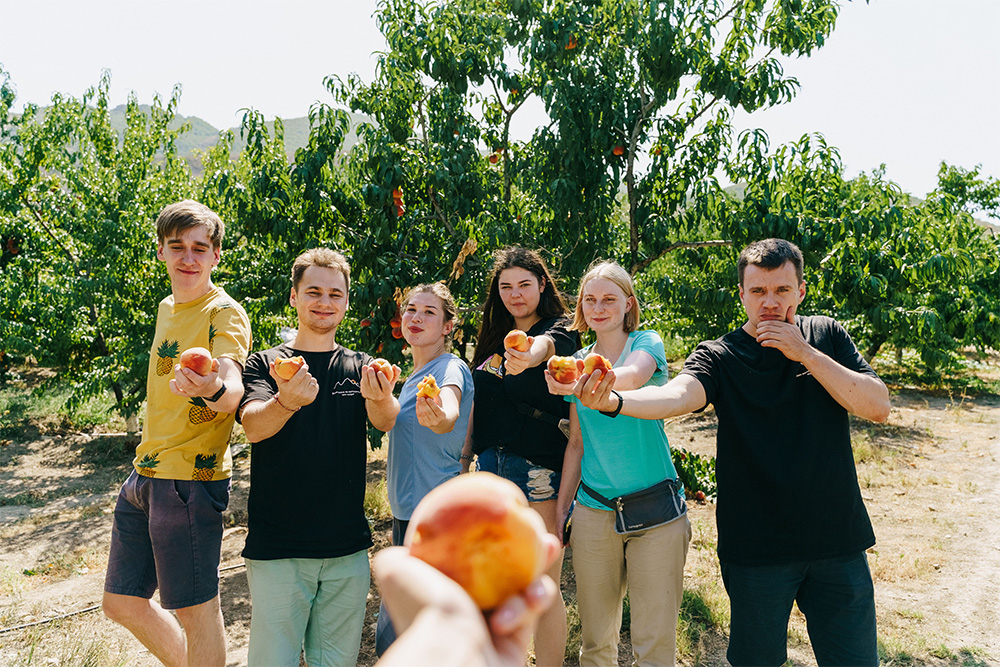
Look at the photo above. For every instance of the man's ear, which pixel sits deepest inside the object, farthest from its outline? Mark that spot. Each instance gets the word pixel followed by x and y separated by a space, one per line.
pixel 291 297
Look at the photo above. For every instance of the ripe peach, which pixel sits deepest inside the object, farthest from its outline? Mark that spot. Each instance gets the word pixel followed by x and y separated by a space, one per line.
pixel 516 340
pixel 618 150
pixel 428 387
pixel 595 362
pixel 563 369
pixel 384 366
pixel 479 530
pixel 286 368
pixel 197 359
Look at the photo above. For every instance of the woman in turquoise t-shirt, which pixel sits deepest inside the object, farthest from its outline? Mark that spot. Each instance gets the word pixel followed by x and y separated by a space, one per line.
pixel 616 456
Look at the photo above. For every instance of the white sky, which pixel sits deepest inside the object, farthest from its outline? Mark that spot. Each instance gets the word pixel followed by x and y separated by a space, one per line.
pixel 908 83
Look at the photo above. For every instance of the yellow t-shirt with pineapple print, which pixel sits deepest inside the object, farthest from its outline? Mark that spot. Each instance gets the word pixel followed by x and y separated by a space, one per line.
pixel 183 438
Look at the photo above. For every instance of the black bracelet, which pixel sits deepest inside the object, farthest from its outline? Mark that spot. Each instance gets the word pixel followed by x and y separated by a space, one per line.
pixel 621 402
pixel 217 395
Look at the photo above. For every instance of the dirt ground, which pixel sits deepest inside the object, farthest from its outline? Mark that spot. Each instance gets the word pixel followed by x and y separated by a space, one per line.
pixel 930 478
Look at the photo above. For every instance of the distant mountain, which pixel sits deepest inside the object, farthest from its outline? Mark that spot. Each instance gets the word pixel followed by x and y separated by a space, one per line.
pixel 202 136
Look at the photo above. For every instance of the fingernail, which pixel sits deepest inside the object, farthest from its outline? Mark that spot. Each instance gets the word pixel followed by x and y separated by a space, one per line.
pixel 535 590
pixel 504 616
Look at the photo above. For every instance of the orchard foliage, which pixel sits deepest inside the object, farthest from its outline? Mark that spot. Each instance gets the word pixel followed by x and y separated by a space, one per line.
pixel 78 199
pixel 636 99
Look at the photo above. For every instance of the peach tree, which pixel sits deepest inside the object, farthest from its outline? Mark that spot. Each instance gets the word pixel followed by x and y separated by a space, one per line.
pixel 77 202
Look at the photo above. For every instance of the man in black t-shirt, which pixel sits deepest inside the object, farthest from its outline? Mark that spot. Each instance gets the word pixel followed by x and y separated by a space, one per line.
pixel 306 547
pixel 783 387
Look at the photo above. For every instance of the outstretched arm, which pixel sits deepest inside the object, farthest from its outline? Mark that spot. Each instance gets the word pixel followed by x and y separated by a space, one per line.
pixel 680 396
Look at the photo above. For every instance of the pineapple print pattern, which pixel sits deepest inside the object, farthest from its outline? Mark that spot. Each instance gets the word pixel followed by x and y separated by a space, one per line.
pixel 199 412
pixel 147 465
pixel 212 331
pixel 204 467
pixel 166 354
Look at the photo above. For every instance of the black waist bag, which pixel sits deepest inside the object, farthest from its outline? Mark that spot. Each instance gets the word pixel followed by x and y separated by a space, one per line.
pixel 646 508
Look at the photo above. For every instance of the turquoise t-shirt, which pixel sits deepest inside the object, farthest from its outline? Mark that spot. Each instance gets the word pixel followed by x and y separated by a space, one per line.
pixel 625 454
pixel 420 459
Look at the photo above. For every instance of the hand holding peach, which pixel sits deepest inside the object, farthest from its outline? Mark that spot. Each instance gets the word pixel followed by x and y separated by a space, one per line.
pixel 199 360
pixel 287 368
pixel 516 340
pixel 479 530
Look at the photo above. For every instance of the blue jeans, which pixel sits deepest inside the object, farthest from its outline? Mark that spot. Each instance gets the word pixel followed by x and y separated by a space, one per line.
pixel 538 483
pixel 836 596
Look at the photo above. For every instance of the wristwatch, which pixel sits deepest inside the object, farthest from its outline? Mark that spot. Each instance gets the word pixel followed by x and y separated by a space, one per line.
pixel 222 390
pixel 621 402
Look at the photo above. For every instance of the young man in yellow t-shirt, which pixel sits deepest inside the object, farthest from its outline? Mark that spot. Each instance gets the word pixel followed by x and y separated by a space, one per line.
pixel 167 531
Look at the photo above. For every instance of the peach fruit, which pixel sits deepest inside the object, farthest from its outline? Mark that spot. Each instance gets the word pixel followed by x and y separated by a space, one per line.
pixel 516 340
pixel 384 366
pixel 479 530
pixel 197 359
pixel 286 368
pixel 428 387
pixel 596 362
pixel 563 369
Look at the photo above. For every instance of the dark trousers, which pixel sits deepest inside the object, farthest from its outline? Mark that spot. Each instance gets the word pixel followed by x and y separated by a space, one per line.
pixel 836 596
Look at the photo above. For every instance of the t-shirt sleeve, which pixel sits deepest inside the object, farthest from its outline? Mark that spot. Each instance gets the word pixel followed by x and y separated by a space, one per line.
pixel 456 374
pixel 845 352
pixel 566 342
pixel 700 365
pixel 232 335
pixel 651 343
pixel 258 385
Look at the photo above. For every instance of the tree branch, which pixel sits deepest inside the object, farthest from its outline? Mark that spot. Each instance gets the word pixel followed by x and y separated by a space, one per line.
pixel 638 267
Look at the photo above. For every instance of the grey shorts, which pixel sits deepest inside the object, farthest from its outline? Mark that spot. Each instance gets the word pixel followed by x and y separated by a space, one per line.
pixel 167 533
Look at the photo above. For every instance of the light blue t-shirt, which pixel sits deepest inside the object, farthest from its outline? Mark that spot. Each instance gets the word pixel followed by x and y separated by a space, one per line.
pixel 420 459
pixel 625 454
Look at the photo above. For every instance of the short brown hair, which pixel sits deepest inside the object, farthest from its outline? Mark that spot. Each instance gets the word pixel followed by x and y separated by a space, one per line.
pixel 183 215
pixel 323 257
pixel 619 276
pixel 770 254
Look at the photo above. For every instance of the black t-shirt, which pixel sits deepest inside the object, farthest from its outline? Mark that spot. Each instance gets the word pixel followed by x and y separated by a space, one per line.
pixel 307 482
pixel 498 415
pixel 788 488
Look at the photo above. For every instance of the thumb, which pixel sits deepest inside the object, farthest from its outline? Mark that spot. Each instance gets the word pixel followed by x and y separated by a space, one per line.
pixel 790 315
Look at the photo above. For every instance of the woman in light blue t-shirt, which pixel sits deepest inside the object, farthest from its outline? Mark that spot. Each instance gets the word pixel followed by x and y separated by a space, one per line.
pixel 616 456
pixel 425 445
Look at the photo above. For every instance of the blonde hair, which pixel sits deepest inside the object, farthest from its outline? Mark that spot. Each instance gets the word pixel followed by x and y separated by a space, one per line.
pixel 619 276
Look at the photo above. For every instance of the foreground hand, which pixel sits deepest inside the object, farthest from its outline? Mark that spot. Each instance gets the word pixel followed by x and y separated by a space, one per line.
pixel 785 336
pixel 440 625
pixel 594 391
pixel 375 386
pixel 188 383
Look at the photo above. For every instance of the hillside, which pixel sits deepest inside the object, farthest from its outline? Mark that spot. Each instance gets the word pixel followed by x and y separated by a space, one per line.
pixel 202 136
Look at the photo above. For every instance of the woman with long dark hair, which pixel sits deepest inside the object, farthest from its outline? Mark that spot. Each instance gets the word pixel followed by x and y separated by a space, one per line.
pixel 515 427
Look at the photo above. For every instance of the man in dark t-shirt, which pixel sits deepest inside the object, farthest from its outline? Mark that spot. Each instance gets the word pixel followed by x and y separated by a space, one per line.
pixel 307 543
pixel 783 387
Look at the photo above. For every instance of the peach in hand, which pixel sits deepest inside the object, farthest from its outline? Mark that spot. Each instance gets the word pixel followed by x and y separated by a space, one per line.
pixel 286 368
pixel 197 359
pixel 516 340
pixel 479 530
pixel 428 387
pixel 384 366
pixel 596 362
pixel 563 369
